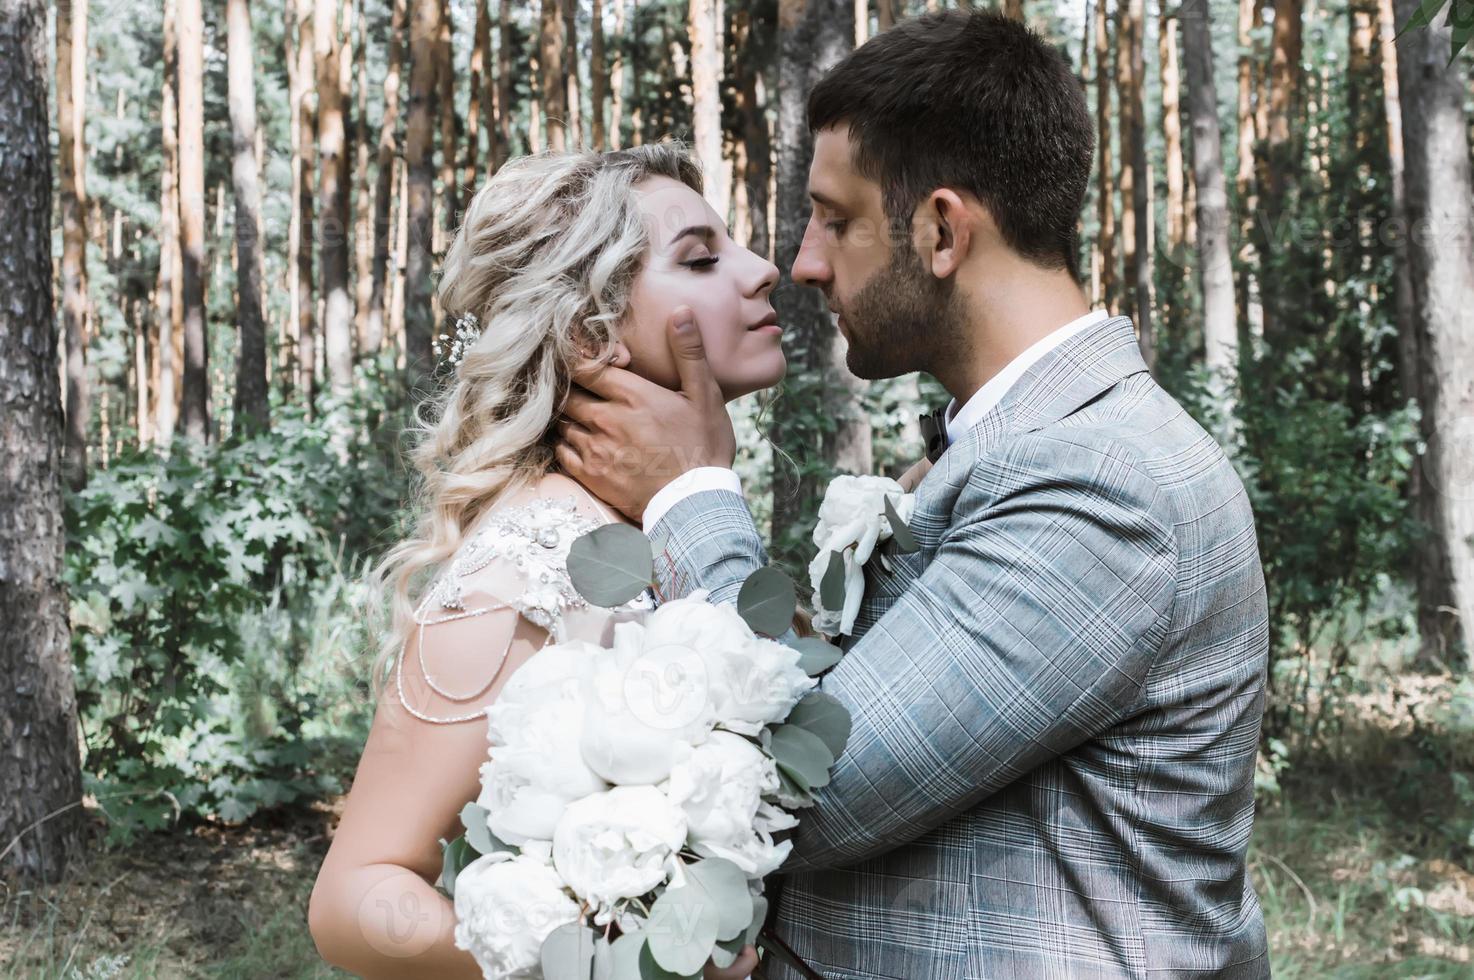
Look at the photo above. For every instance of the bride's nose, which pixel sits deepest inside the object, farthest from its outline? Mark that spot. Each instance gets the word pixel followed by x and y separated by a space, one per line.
pixel 764 274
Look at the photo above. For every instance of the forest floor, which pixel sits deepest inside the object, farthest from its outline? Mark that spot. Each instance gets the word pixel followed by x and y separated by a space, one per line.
pixel 1358 860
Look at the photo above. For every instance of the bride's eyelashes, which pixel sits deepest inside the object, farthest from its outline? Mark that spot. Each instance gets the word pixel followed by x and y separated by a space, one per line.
pixel 705 263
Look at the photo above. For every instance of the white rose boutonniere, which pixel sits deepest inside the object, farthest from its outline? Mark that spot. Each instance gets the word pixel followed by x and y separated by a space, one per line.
pixel 858 514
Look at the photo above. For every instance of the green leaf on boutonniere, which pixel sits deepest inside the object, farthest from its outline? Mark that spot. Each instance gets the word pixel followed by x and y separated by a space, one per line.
pixel 815 655
pixel 822 715
pixel 905 540
pixel 611 565
pixel 767 601
pixel 803 754
pixel 831 586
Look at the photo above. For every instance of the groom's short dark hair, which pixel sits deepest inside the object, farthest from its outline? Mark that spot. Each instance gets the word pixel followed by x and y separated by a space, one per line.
pixel 973 101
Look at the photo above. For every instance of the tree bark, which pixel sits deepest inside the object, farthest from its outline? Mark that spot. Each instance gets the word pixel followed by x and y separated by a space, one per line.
pixel 307 190
pixel 40 809
pixel 449 122
pixel 1281 156
pixel 363 196
pixel 419 156
pixel 550 64
pixel 1248 136
pixel 337 311
pixel 1105 200
pixel 706 111
pixel 1440 209
pixel 1171 129
pixel 812 36
pixel 1215 266
pixel 384 180
pixel 598 79
pixel 504 81
pixel 195 416
pixel 1136 232
pixel 480 107
pixel 251 403
pixel 754 36
pixel 571 100
pixel 168 291
pixel 71 115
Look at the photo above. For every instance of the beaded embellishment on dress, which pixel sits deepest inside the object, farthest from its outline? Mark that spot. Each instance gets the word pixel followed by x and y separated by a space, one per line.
pixel 535 537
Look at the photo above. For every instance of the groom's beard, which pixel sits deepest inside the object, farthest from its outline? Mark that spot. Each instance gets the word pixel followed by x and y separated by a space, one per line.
pixel 901 319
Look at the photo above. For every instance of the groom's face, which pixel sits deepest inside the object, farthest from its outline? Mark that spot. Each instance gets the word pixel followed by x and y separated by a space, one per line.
pixel 891 310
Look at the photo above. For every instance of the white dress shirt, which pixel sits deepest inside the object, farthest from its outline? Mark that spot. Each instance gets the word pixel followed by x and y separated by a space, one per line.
pixel 958 421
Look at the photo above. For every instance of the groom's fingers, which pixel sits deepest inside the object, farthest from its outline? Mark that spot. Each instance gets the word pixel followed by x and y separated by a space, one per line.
pixel 690 354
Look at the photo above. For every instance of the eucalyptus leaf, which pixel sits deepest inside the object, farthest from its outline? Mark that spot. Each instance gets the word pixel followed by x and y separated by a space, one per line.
pixel 478 834
pixel 759 916
pixel 611 565
pixel 794 785
pixel 726 889
pixel 900 530
pixel 568 952
pixel 824 716
pixel 453 859
pixel 604 959
pixel 815 655
pixel 767 601
pixel 804 753
pixel 624 956
pixel 682 929
pixel 650 968
pixel 831 586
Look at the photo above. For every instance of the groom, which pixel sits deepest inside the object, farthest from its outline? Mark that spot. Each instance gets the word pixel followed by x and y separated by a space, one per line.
pixel 1056 700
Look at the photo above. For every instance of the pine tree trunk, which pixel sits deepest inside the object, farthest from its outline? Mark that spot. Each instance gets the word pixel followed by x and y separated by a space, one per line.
pixel 307 193
pixel 1134 175
pixel 1440 204
pixel 40 767
pixel 251 402
pixel 598 79
pixel 337 321
pixel 757 145
pixel 71 114
pixel 1281 156
pixel 384 181
pixel 812 36
pixel 616 80
pixel 363 197
pixel 195 416
pixel 480 60
pixel 570 74
pixel 504 100
pixel 1105 200
pixel 168 286
pixel 550 66
pixel 706 113
pixel 1215 266
pixel 1248 135
pixel 449 122
pixel 419 157
pixel 1171 130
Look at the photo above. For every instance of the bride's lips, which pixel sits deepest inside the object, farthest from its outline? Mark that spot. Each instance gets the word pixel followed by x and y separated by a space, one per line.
pixel 768 324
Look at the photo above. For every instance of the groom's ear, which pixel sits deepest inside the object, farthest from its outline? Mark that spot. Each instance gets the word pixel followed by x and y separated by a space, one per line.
pixel 948 224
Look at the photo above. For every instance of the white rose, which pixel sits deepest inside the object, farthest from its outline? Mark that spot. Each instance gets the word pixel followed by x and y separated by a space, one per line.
pixel 645 705
pixel 617 844
pixel 505 907
pixel 852 522
pixel 720 788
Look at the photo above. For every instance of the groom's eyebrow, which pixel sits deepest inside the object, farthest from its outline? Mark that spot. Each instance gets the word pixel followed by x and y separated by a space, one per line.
pixel 826 201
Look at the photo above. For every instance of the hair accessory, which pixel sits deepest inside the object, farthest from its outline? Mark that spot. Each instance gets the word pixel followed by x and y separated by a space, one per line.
pixel 468 331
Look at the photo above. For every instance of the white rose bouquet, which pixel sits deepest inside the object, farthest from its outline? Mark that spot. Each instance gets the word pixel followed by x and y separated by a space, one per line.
pixel 858 514
pixel 630 799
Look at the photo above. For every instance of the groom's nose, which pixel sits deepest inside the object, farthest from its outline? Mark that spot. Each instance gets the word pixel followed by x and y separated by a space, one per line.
pixel 810 266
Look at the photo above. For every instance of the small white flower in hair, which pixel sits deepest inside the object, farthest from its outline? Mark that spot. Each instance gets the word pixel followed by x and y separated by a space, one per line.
pixel 467 332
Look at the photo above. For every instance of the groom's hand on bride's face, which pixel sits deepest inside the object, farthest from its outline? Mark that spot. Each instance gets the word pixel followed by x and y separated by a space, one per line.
pixel 624 437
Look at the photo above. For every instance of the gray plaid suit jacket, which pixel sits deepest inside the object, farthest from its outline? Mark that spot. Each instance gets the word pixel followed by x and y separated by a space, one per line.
pixel 1056 701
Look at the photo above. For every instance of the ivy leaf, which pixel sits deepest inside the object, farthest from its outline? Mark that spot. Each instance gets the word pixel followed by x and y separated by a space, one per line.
pixel 767 601
pixel 611 565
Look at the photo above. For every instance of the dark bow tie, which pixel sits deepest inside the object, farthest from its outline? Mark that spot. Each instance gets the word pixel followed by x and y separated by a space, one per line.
pixel 934 433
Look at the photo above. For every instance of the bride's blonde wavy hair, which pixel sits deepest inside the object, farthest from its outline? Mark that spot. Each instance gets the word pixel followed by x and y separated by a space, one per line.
pixel 545 258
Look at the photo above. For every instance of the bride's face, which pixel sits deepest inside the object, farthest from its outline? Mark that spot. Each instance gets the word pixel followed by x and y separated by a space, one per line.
pixel 692 261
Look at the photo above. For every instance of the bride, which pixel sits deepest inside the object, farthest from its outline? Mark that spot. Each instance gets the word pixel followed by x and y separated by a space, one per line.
pixel 561 256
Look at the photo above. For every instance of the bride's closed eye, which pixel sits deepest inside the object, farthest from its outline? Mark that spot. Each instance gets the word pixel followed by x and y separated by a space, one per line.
pixel 702 263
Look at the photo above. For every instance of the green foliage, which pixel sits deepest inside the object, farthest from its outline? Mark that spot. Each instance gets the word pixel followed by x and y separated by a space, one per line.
pixel 213 629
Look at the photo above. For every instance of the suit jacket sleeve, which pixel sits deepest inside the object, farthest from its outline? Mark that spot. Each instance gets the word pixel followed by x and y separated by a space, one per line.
pixel 1030 631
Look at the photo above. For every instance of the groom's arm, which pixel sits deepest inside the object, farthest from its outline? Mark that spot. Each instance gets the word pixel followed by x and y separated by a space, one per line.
pixel 1031 631
pixel 711 541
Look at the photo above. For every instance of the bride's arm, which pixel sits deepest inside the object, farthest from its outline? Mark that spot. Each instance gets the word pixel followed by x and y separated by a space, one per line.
pixel 374 910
